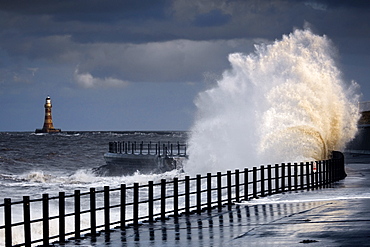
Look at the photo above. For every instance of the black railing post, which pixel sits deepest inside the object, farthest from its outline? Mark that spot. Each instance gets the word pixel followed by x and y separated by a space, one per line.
pixel 289 176
pixel 262 175
pixel 301 175
pixel 317 176
pixel 163 199
pixel 295 176
pixel 123 207
pixel 8 221
pixel 45 219
pixel 62 223
pixel 176 196
pixel 150 202
pixel 199 194
pixel 277 189
pixel 135 204
pixel 219 190
pixel 325 172
pixel 106 209
pixel 319 172
pixel 187 194
pixel 237 186
pixel 308 175
pixel 282 177
pixel 27 220
pixel 313 172
pixel 77 199
pixel 254 182
pixel 246 184
pixel 229 188
pixel 269 180
pixel 209 191
pixel 331 171
pixel 92 212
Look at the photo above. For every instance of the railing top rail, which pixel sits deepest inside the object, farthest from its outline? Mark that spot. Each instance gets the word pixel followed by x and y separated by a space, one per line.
pixel 151 143
pixel 144 185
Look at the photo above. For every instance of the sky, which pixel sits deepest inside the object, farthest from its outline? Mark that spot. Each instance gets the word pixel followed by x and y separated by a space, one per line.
pixel 123 65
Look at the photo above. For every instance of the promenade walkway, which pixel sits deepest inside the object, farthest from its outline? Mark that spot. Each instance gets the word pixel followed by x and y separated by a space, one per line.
pixel 334 216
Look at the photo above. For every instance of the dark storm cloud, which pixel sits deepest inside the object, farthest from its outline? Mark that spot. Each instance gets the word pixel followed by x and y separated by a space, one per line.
pixel 84 21
pixel 71 47
pixel 212 18
pixel 133 21
pixel 359 4
pixel 88 10
pixel 161 40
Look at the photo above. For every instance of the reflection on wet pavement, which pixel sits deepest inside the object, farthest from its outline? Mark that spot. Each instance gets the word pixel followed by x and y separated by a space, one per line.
pixel 329 220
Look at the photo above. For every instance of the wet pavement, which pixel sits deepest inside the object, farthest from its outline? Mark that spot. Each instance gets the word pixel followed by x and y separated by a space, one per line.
pixel 335 216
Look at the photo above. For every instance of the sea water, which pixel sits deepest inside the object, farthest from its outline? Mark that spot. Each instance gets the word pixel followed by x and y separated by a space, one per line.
pixel 32 164
pixel 35 164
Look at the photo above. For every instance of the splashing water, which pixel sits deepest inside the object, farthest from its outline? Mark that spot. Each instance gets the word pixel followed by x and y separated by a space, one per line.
pixel 285 102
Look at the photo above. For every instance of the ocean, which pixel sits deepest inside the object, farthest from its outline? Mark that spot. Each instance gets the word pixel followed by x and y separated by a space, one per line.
pixel 33 164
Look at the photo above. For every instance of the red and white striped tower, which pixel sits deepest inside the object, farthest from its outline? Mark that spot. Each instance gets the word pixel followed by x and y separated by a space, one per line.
pixel 48 123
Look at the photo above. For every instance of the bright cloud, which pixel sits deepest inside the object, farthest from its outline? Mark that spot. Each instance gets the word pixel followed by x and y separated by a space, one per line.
pixel 86 80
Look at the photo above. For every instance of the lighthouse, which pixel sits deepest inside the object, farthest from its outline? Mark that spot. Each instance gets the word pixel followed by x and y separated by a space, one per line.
pixel 48 123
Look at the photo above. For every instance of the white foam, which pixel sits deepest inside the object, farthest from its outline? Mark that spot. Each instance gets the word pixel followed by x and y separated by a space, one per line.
pixel 284 102
pixel 84 178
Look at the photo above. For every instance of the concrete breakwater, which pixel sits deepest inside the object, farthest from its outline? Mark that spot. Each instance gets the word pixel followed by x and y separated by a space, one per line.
pixel 126 158
pixel 361 143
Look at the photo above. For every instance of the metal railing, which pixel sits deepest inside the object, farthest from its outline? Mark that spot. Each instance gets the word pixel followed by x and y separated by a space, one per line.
pixel 96 210
pixel 148 148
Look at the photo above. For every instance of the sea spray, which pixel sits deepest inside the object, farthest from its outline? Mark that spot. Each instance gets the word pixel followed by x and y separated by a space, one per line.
pixel 285 102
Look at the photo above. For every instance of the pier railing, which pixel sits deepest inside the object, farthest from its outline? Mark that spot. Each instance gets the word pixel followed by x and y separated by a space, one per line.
pixel 86 213
pixel 148 148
